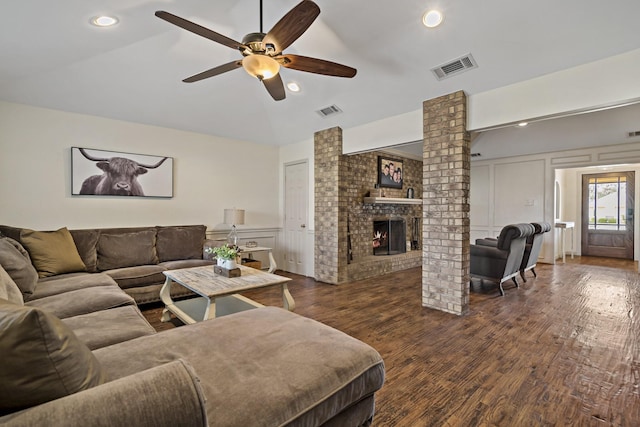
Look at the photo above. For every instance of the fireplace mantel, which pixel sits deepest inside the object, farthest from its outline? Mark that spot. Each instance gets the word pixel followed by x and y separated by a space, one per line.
pixel 392 201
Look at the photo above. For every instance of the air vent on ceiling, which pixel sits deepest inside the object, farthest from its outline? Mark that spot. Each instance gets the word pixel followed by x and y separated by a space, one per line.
pixel 328 111
pixel 634 133
pixel 457 66
pixel 476 154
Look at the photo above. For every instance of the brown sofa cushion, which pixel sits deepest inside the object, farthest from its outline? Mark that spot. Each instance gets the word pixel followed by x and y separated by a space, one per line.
pixel 15 260
pixel 142 275
pixel 82 301
pixel 42 359
pixel 126 250
pixel 52 252
pixel 86 242
pixel 180 242
pixel 8 288
pixel 107 327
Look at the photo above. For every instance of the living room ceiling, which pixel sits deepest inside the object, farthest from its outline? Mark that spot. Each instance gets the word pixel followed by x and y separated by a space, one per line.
pixel 51 56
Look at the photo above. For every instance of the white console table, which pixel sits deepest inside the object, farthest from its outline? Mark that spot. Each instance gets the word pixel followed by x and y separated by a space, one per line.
pixel 249 250
pixel 565 225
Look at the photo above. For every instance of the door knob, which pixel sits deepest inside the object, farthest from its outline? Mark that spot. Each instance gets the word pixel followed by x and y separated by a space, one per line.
pixel 303 226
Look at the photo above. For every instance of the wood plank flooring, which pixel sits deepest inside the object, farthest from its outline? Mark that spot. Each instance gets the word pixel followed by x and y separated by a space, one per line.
pixel 563 349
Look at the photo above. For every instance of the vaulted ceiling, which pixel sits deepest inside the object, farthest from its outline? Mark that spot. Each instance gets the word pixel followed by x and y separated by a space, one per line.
pixel 50 56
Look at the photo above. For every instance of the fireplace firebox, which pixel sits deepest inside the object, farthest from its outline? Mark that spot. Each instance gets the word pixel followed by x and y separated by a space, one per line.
pixel 389 236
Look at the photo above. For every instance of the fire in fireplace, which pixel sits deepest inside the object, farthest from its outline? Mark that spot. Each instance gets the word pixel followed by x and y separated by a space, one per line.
pixel 389 236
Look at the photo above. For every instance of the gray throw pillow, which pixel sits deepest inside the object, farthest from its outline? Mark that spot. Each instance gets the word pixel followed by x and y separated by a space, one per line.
pixel 16 262
pixel 42 359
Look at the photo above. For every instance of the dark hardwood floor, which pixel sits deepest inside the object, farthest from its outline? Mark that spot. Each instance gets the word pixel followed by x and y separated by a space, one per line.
pixel 563 349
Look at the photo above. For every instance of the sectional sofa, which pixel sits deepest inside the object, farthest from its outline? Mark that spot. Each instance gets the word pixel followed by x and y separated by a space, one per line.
pixel 76 351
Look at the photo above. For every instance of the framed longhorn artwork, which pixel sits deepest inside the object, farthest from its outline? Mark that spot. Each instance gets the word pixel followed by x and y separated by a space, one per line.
pixel 111 173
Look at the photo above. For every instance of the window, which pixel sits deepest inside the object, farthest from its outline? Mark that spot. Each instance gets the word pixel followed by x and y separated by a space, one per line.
pixel 607 203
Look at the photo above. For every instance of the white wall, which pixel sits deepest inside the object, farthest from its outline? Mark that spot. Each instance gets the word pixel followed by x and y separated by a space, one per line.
pixel 210 173
pixel 597 84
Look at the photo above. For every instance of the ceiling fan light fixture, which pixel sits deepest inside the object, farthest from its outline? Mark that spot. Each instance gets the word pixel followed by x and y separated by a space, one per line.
pixel 432 18
pixel 261 67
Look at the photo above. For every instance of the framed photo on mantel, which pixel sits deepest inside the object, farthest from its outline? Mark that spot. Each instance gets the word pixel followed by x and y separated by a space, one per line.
pixel 389 172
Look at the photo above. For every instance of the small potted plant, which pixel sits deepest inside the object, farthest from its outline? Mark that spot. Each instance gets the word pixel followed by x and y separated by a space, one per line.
pixel 226 256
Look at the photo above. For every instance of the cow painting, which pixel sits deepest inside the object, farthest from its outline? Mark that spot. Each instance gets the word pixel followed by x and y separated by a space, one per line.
pixel 119 176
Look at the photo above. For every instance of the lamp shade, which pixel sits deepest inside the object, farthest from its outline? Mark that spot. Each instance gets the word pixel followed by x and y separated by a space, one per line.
pixel 260 66
pixel 234 216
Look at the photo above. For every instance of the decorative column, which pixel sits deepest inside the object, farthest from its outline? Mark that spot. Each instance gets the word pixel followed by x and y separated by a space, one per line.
pixel 446 179
pixel 330 207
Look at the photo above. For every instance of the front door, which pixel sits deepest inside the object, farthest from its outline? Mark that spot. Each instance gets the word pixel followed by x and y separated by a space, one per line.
pixel 607 214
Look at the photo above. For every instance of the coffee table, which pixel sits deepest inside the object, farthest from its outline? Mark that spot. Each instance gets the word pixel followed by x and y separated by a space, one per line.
pixel 217 294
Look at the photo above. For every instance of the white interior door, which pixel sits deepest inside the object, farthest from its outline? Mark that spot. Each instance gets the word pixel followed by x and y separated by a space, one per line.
pixel 296 196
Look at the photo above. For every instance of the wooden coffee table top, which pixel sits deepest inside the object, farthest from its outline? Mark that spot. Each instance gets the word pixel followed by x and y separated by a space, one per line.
pixel 203 281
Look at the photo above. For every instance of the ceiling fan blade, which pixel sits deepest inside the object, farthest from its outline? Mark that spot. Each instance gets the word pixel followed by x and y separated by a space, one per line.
pixel 275 87
pixel 214 71
pixel 317 66
pixel 199 30
pixel 292 25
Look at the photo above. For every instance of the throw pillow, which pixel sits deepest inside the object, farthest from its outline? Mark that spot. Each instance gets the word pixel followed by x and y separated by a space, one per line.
pixel 181 242
pixel 52 252
pixel 42 359
pixel 8 288
pixel 16 262
pixel 126 250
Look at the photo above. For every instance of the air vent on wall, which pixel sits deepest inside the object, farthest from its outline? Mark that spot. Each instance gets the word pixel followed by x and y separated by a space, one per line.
pixel 328 111
pixel 634 134
pixel 457 66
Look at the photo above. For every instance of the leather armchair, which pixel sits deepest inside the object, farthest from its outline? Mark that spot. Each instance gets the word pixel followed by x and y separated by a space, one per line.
pixel 501 262
pixel 532 248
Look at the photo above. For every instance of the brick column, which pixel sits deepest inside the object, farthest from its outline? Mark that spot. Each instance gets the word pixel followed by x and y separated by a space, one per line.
pixel 446 175
pixel 330 207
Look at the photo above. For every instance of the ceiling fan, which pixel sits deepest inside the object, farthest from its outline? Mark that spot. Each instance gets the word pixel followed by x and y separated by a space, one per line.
pixel 262 52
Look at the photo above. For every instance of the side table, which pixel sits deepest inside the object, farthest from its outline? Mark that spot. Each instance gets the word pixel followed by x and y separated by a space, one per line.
pixel 249 250
pixel 565 225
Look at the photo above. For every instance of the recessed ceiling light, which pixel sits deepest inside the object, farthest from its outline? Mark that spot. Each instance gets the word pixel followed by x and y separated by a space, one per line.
pixel 104 21
pixel 522 124
pixel 432 18
pixel 293 87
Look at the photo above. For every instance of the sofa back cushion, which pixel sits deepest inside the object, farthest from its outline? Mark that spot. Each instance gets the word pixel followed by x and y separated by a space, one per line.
pixel 8 288
pixel 16 262
pixel 52 252
pixel 180 242
pixel 42 359
pixel 127 249
pixel 86 241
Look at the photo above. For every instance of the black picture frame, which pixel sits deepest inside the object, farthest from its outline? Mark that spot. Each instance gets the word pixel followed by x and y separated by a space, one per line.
pixel 387 167
pixel 139 175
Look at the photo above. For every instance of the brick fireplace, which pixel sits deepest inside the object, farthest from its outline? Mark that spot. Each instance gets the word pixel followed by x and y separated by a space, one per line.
pixel 342 217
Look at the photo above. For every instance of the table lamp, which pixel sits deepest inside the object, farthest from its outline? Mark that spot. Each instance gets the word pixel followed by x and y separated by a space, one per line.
pixel 233 217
